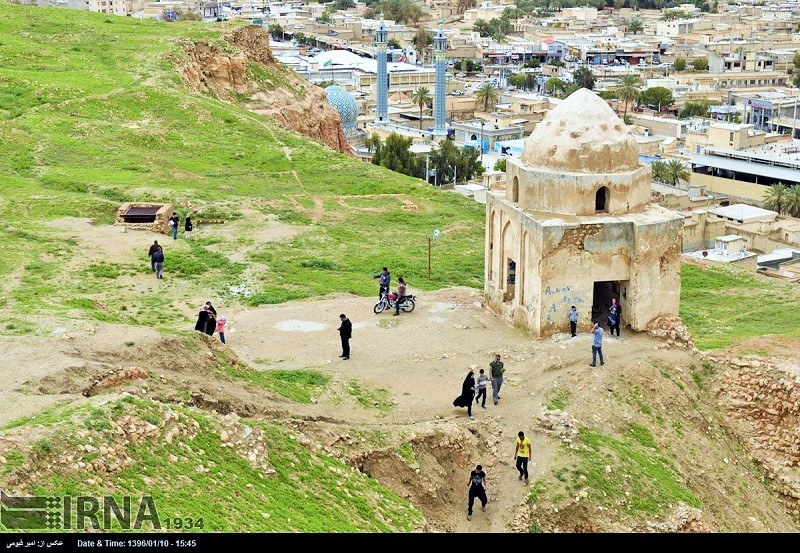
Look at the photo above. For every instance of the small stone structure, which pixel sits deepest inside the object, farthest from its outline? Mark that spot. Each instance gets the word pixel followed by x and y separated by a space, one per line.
pixel 145 216
pixel 575 227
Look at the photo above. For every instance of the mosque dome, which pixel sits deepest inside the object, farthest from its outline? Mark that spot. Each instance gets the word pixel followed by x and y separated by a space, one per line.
pixel 582 135
pixel 343 102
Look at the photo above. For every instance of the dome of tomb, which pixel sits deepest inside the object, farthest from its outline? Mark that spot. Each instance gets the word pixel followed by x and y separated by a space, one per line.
pixel 582 135
pixel 343 102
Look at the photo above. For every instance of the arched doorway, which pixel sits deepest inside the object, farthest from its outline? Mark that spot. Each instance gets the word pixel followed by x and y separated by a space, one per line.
pixel 601 199
pixel 515 190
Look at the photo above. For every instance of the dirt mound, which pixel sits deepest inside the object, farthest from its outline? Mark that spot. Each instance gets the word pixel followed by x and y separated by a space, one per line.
pixel 252 77
pixel 429 469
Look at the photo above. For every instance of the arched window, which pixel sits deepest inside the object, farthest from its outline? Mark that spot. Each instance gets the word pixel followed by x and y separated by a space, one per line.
pixel 515 190
pixel 601 199
pixel 474 137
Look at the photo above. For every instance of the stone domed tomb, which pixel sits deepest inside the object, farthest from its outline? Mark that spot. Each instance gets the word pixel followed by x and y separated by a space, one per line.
pixel 575 227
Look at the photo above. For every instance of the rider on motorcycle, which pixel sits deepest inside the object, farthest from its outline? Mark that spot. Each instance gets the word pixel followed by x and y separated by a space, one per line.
pixel 401 291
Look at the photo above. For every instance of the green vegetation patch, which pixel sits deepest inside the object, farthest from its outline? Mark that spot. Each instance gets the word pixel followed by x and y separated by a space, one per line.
pixel 557 399
pixel 641 480
pixel 723 306
pixel 196 476
pixel 371 398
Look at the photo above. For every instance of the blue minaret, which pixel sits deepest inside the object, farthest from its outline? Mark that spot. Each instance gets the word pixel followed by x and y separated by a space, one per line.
pixel 440 61
pixel 381 42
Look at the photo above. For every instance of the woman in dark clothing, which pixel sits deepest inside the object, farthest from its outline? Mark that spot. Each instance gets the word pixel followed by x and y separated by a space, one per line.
pixel 467 394
pixel 202 318
pixel 211 308
pixel 211 323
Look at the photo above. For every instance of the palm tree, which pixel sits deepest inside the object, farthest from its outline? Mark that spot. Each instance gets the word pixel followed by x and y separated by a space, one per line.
pixel 421 97
pixel 793 201
pixel 628 89
pixel 677 172
pixel 775 197
pixel 635 26
pixel 488 95
pixel 660 171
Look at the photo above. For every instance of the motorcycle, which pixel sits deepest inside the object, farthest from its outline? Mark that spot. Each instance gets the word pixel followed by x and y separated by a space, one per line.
pixel 389 301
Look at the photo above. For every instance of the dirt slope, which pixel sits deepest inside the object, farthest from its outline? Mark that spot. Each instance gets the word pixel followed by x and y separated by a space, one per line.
pixel 422 447
pixel 252 77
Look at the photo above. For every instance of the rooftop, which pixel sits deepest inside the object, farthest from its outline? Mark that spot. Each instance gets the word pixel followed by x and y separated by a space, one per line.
pixel 741 212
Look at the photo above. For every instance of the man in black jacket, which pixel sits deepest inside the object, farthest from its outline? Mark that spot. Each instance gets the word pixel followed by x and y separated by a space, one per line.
pixel 345 332
pixel 154 248
pixel 386 280
pixel 158 262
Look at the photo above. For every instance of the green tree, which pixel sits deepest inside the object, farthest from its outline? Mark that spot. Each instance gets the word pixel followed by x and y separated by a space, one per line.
pixel 421 98
pixel 488 95
pixel 531 63
pixel 660 171
pixel 584 77
pixel 500 165
pixel 343 4
pixel 679 65
pixel 464 5
pixel 677 172
pixel 796 81
pixel 325 18
pixel 628 90
pixel 775 197
pixel 793 201
pixel 554 85
pixel 450 162
pixel 700 64
pixel 694 108
pixel 421 41
pixel 374 146
pixel 657 96
pixel 482 27
pixel 796 60
pixel 635 26
pixel 275 31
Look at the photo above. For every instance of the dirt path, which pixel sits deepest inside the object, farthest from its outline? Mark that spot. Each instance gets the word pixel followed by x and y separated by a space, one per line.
pixel 422 358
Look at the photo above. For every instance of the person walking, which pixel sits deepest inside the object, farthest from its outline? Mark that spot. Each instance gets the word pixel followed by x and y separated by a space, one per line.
pixel 522 454
pixel 614 316
pixel 401 291
pixel 345 333
pixel 482 380
pixel 386 279
pixel 573 321
pixel 188 226
pixel 597 345
pixel 467 393
pixel 153 248
pixel 158 262
pixel 221 328
pixel 174 222
pixel 497 371
pixel 477 488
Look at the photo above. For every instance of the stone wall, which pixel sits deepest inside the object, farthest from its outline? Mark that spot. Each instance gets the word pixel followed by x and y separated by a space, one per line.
pixel 767 401
pixel 161 224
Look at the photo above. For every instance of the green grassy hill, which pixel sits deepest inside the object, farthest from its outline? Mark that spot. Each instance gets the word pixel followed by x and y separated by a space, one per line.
pixel 93 113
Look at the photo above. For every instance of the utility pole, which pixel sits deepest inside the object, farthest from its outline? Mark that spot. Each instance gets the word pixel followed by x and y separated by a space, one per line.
pixel 794 116
pixel 429 257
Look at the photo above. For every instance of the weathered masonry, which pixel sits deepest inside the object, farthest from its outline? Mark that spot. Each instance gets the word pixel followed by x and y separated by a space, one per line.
pixel 575 227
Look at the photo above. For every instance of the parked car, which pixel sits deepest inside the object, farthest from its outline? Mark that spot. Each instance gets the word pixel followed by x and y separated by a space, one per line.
pixel 461 75
pixel 458 93
pixel 480 76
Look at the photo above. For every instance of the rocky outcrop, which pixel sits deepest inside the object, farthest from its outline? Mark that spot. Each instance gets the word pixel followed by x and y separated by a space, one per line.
pixel 767 400
pixel 250 76
pixel 672 330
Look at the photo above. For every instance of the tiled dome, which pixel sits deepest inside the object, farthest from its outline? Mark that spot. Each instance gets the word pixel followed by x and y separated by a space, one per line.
pixel 343 102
